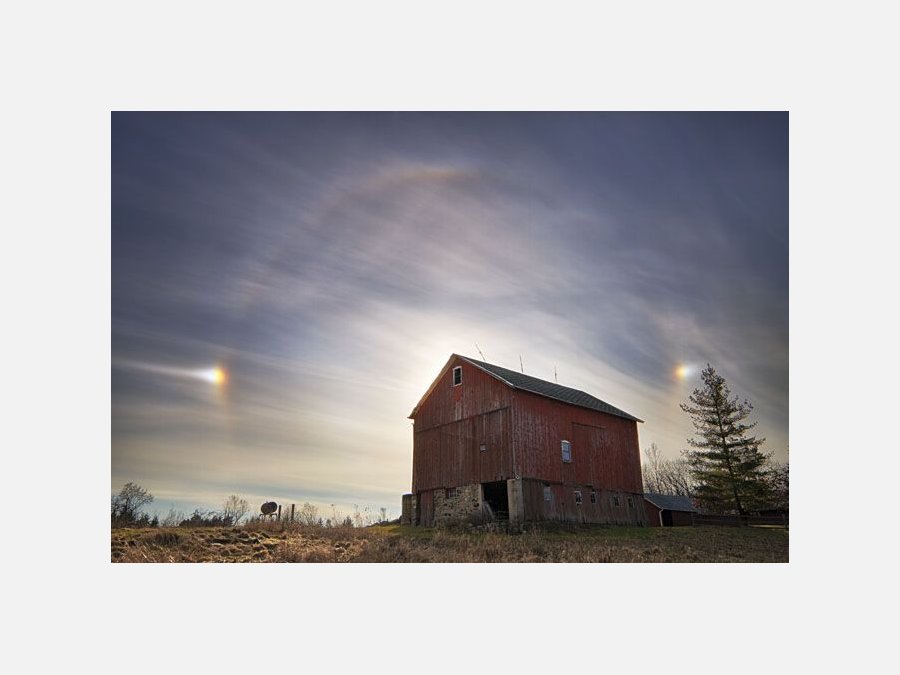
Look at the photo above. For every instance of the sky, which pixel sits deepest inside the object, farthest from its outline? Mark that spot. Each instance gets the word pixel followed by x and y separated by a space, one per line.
pixel 286 286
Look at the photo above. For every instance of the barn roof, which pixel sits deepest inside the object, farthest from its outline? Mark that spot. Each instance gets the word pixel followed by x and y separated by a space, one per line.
pixel 670 502
pixel 537 386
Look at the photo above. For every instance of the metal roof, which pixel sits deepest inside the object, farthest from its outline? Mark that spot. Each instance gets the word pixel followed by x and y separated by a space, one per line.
pixel 549 389
pixel 670 502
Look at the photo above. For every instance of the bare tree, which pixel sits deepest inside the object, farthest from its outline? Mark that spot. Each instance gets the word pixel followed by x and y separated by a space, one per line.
pixel 235 508
pixel 651 469
pixel 680 477
pixel 126 506
pixel 308 515
pixel 337 517
pixel 173 518
pixel 778 480
pixel 665 476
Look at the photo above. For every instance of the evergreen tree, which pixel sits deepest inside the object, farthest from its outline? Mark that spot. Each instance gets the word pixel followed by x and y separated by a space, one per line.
pixel 726 463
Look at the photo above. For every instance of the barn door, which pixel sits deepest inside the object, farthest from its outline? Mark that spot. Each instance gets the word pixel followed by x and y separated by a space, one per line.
pixel 491 446
pixel 426 508
pixel 586 455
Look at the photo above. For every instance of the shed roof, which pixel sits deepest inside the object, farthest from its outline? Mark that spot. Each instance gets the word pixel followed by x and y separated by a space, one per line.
pixel 670 502
pixel 534 385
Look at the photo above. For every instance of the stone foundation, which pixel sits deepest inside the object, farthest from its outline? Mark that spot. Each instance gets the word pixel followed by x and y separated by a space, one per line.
pixel 529 501
pixel 408 515
pixel 461 503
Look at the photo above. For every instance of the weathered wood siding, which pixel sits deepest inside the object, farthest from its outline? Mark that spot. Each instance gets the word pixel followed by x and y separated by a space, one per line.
pixel 657 517
pixel 562 504
pixel 605 452
pixel 425 503
pixel 652 514
pixel 452 424
pixel 682 519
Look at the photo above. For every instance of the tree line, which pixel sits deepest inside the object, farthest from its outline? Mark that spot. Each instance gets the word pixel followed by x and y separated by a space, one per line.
pixel 127 510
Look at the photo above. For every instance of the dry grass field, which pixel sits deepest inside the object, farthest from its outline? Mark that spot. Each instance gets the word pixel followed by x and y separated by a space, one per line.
pixel 393 543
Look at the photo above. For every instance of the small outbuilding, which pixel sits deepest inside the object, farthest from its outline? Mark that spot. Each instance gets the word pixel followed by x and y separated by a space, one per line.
pixel 669 510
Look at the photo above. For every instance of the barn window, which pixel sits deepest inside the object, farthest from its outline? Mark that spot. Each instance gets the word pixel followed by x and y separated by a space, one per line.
pixel 614 500
pixel 548 493
pixel 630 503
pixel 577 497
pixel 451 493
pixel 593 497
pixel 483 448
pixel 457 375
pixel 566 451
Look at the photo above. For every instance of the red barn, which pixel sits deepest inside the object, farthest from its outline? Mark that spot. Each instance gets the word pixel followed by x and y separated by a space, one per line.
pixel 489 441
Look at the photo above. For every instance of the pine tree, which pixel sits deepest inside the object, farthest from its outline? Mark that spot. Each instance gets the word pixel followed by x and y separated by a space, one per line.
pixel 725 462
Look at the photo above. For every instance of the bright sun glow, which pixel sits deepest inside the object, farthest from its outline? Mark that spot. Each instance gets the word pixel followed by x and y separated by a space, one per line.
pixel 681 372
pixel 215 375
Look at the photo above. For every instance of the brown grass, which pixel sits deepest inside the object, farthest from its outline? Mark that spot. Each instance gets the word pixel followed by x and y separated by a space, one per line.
pixel 272 542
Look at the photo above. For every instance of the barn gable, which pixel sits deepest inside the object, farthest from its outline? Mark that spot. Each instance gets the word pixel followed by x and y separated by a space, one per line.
pixel 530 384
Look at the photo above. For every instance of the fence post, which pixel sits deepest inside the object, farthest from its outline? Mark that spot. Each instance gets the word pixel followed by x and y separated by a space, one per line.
pixel 279 512
pixel 292 513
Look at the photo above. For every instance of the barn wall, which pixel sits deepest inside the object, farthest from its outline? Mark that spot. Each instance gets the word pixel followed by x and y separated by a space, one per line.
pixel 453 423
pixel 562 505
pixel 605 451
pixel 679 518
pixel 652 514
pixel 682 518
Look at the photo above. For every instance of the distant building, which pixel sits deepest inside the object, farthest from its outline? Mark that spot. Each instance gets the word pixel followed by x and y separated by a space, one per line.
pixel 669 510
pixel 489 441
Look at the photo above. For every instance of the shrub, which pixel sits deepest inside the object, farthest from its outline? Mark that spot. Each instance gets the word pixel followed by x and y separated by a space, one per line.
pixel 200 518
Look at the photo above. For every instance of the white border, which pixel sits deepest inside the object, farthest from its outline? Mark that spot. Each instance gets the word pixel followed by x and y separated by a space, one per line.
pixel 830 65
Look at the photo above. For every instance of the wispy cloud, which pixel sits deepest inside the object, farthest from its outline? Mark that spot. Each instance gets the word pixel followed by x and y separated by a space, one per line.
pixel 334 280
